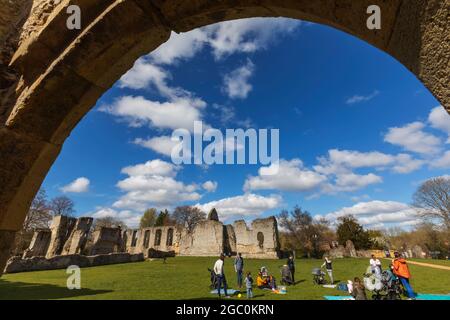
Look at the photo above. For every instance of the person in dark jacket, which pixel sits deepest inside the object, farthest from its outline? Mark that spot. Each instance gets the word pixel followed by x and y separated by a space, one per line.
pixel 291 265
pixel 239 267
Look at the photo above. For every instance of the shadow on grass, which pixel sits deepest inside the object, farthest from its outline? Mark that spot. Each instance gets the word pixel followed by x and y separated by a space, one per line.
pixel 37 291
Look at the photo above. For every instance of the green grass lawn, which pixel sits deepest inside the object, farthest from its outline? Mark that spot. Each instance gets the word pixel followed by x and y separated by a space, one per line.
pixel 188 278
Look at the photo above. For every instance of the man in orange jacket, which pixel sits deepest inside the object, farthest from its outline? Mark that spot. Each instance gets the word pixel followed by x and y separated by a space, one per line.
pixel 401 270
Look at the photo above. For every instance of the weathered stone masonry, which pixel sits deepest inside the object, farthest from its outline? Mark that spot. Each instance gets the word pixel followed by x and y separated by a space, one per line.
pixel 41 60
pixel 68 237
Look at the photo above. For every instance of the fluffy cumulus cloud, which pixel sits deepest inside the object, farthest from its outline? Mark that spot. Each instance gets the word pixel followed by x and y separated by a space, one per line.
pixel 154 184
pixel 362 98
pixel 341 161
pixel 249 204
pixel 139 111
pixel 162 145
pixel 79 185
pixel 440 119
pixel 210 186
pixel 413 138
pixel 377 214
pixel 287 175
pixel 236 83
pixel 442 161
pixel 224 39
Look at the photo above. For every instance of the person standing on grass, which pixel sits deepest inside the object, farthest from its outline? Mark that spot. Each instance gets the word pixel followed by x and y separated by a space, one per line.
pixel 220 275
pixel 249 285
pixel 401 270
pixel 291 266
pixel 375 265
pixel 328 264
pixel 239 267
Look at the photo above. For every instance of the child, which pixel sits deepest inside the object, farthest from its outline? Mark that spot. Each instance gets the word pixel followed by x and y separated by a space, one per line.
pixel 248 285
pixel 358 292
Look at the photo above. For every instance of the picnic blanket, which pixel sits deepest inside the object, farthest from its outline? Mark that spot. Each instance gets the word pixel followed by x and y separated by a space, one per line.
pixel 420 296
pixel 339 298
pixel 229 291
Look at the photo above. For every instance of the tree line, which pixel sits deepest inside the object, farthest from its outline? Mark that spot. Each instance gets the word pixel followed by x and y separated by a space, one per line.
pixel 309 237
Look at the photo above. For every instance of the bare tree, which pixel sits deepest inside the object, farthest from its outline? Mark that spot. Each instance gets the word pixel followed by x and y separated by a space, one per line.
pixel 188 216
pixel 39 215
pixel 62 206
pixel 109 222
pixel 432 200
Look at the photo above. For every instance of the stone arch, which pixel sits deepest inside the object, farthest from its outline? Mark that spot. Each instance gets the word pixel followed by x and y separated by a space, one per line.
pixel 41 62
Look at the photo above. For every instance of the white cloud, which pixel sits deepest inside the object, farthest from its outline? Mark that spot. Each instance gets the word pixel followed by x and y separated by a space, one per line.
pixel 412 138
pixel 235 84
pixel 377 214
pixel 79 185
pixel 163 144
pixel 442 161
pixel 180 46
pixel 248 204
pixel 361 98
pixel 291 176
pixel 352 181
pixel 440 119
pixel 154 167
pixel 153 184
pixel 210 186
pixel 138 111
pixel 247 35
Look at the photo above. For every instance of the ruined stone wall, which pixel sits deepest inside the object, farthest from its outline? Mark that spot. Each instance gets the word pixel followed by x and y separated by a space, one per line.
pixel 61 228
pixel 163 239
pixel 78 237
pixel 207 239
pixel 39 244
pixel 260 240
pixel 107 240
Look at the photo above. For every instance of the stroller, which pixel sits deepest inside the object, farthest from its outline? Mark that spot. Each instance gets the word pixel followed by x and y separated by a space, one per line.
pixel 318 276
pixel 286 276
pixel 213 279
pixel 383 287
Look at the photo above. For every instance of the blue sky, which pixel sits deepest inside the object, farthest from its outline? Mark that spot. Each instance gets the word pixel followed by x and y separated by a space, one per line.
pixel 358 131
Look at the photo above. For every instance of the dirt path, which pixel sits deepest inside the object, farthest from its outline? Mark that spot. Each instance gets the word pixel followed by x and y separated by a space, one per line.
pixel 424 264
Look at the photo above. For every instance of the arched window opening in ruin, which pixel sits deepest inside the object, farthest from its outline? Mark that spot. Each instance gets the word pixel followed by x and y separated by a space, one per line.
pixel 134 238
pixel 146 238
pixel 158 237
pixel 169 240
pixel 260 238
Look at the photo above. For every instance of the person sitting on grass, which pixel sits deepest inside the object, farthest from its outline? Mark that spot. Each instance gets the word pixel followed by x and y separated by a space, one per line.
pixel 249 285
pixel 220 275
pixel 401 270
pixel 358 290
pixel 265 281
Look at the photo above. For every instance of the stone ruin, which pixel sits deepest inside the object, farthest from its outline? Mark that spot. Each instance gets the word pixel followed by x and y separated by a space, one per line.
pixel 71 241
